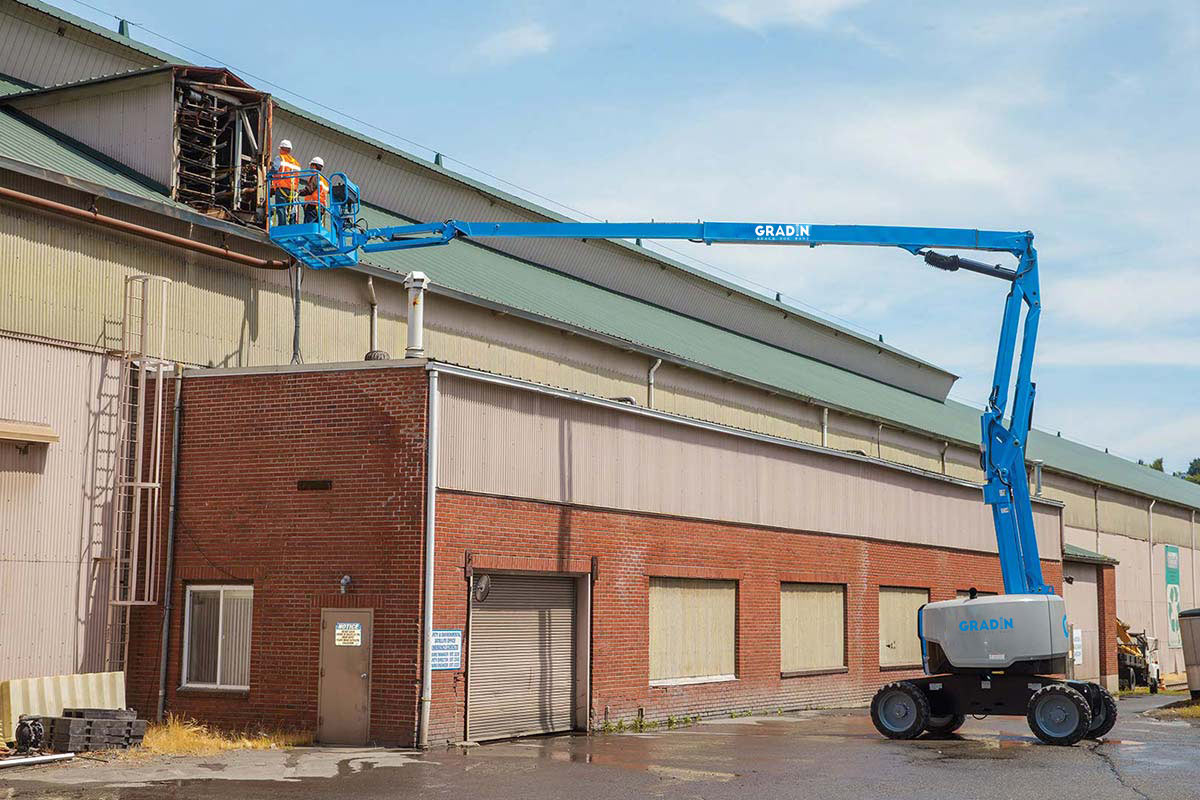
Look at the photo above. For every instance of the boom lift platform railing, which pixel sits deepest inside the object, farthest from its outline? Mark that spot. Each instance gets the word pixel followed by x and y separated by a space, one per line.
pixel 989 665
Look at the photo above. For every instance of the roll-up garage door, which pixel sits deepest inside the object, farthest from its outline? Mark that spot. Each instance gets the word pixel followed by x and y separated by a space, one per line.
pixel 522 659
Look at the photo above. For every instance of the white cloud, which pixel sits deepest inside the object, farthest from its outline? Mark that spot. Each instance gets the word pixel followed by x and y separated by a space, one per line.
pixel 1141 351
pixel 508 45
pixel 759 15
pixel 1131 298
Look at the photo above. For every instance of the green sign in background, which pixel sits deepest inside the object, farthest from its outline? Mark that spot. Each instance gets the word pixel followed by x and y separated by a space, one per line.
pixel 1172 573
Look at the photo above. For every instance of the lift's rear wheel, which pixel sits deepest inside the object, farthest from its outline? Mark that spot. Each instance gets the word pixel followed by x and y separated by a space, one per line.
pixel 946 724
pixel 1103 721
pixel 900 711
pixel 1059 715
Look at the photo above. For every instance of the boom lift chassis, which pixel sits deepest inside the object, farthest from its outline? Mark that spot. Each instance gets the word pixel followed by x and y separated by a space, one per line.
pixel 957 683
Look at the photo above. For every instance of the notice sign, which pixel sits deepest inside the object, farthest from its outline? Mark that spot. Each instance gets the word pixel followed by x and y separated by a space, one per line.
pixel 347 634
pixel 1078 645
pixel 1173 638
pixel 446 650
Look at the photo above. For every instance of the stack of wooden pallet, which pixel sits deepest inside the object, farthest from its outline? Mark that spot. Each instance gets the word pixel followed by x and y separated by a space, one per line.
pixel 81 729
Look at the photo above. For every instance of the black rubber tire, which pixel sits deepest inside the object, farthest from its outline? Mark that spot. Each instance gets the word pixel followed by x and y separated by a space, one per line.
pixel 945 725
pixel 916 717
pixel 1103 722
pixel 1059 691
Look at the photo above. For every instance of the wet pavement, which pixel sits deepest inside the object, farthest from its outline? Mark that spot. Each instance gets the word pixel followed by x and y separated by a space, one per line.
pixel 826 754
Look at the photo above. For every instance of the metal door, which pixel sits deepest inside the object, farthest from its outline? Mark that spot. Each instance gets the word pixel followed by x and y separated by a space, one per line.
pixel 521 664
pixel 1083 612
pixel 344 694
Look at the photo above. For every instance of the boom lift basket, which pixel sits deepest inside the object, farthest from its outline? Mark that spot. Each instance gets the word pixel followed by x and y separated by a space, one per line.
pixel 313 232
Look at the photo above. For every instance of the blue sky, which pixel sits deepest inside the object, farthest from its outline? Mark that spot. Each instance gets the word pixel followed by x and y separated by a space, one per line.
pixel 1075 120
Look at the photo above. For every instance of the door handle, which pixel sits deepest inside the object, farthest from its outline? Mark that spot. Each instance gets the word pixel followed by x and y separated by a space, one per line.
pixel 363 676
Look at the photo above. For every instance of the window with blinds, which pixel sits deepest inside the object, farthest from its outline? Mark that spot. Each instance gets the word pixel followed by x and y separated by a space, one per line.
pixel 216 637
pixel 693 630
pixel 899 645
pixel 812 627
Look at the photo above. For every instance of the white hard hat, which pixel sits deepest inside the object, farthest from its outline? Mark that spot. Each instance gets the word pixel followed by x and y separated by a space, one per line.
pixel 286 143
pixel 320 162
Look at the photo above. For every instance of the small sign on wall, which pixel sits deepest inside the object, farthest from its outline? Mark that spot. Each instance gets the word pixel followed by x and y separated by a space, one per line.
pixel 1077 637
pixel 1173 596
pixel 347 634
pixel 446 649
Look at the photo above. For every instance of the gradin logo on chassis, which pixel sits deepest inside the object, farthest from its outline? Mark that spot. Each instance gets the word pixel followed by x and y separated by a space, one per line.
pixel 993 624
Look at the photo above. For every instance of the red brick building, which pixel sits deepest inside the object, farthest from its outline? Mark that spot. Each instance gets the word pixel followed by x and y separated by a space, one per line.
pixel 595 562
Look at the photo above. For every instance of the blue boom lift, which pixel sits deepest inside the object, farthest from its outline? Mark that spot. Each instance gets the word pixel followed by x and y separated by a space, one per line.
pixel 981 655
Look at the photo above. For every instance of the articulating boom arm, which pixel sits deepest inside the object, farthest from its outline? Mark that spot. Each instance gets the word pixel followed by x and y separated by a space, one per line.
pixel 335 239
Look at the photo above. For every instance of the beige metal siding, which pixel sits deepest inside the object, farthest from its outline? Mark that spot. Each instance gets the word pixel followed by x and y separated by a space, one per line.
pixel 1083 614
pixel 31 50
pixel 522 658
pixel 53 500
pixel 693 629
pixel 518 443
pixel 812 626
pixel 1078 496
pixel 49 695
pixel 1124 514
pixel 899 644
pixel 134 126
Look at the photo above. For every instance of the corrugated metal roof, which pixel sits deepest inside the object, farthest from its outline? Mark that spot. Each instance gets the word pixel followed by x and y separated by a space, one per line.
pixel 494 277
pixel 492 191
pixel 10 85
pixel 25 143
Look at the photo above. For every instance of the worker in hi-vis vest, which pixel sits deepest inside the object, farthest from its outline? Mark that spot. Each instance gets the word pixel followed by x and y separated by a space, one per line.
pixel 283 188
pixel 315 192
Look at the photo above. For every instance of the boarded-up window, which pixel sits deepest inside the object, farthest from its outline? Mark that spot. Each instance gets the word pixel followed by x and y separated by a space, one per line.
pixel 812 623
pixel 217 636
pixel 693 629
pixel 899 644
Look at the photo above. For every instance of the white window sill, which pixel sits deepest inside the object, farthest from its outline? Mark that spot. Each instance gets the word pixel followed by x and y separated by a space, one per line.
pixel 694 680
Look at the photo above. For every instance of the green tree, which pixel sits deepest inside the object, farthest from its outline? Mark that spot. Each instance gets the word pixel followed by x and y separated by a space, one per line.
pixel 1155 464
pixel 1193 471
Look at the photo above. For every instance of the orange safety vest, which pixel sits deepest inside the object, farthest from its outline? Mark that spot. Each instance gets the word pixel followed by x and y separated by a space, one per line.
pixel 286 164
pixel 321 195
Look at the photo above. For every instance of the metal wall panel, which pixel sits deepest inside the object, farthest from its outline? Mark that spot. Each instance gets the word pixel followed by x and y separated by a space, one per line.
pixel 1124 514
pixel 520 443
pixel 48 696
pixel 32 50
pixel 53 508
pixel 1077 495
pixel 134 126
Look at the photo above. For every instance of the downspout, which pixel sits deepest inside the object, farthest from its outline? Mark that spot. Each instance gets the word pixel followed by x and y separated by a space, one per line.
pixel 374 353
pixel 172 513
pixel 879 442
pixel 416 282
pixel 650 382
pixel 824 427
pixel 1195 603
pixel 945 447
pixel 1096 500
pixel 96 218
pixel 1150 522
pixel 1037 478
pixel 431 468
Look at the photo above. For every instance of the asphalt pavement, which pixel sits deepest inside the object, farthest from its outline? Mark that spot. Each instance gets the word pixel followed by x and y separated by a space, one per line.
pixel 825 755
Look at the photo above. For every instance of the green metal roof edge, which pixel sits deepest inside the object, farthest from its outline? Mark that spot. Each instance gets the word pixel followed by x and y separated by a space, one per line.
pixel 507 197
pixel 1073 553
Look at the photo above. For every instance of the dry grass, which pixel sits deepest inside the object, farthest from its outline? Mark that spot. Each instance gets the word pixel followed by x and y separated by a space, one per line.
pixel 185 737
pixel 1143 690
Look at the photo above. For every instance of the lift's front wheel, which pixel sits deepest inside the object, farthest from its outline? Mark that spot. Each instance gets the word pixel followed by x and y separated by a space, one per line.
pixel 900 711
pixel 1059 715
pixel 1103 721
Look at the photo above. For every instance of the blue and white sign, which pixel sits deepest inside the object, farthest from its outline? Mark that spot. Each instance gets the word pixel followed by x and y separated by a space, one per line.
pixel 446 649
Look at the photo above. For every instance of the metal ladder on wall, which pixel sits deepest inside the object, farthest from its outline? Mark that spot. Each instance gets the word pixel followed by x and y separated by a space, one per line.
pixel 135 518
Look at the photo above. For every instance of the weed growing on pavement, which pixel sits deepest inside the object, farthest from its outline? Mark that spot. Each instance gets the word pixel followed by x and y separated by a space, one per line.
pixel 179 736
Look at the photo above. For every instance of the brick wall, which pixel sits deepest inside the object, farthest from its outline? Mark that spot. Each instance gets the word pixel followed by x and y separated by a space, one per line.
pixel 513 534
pixel 245 442
pixel 1106 587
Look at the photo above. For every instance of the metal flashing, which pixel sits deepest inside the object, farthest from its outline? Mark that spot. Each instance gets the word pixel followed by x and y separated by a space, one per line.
pixel 296 369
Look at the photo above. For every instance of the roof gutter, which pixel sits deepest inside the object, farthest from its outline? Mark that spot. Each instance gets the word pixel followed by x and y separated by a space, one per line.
pixel 96 218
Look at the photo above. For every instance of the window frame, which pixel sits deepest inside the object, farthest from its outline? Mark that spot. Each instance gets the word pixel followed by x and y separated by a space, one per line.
pixel 832 670
pixel 690 680
pixel 221 589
